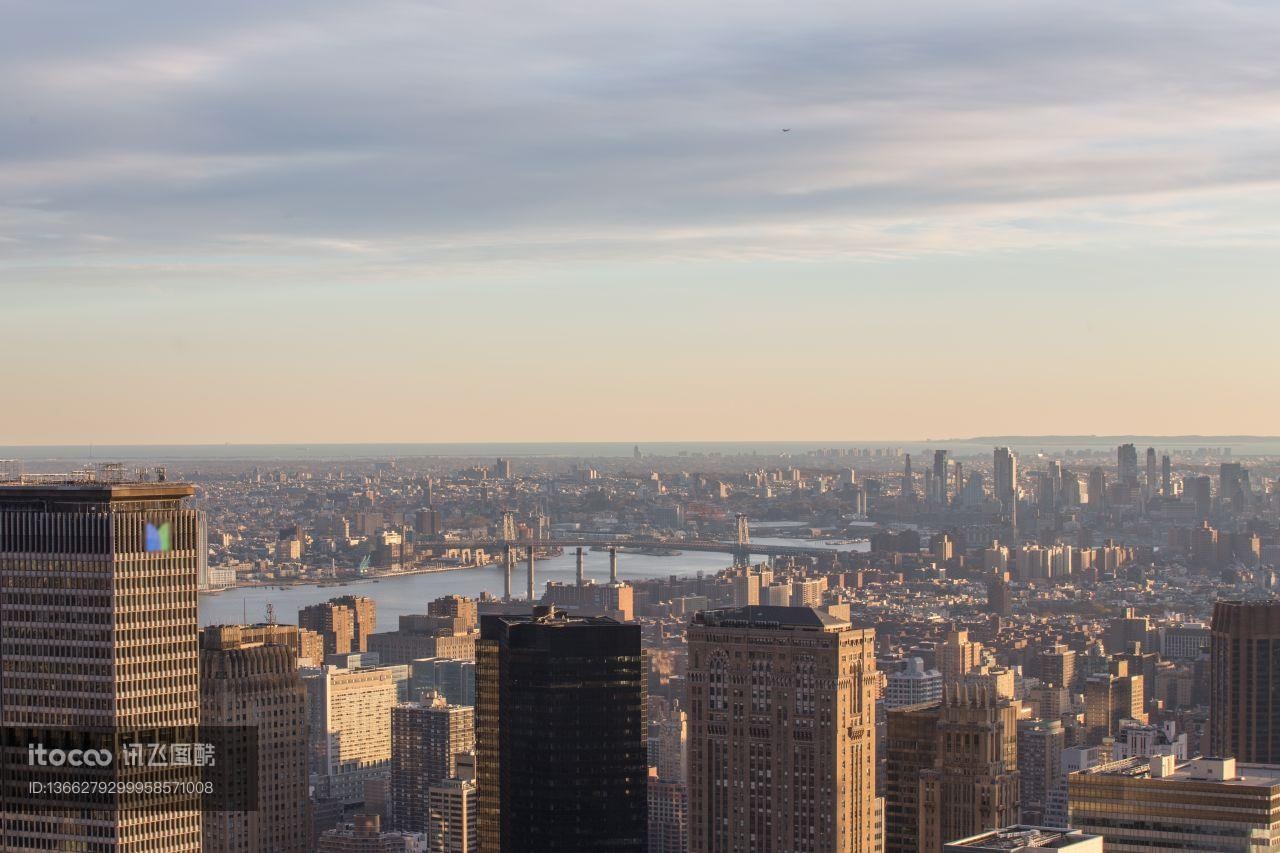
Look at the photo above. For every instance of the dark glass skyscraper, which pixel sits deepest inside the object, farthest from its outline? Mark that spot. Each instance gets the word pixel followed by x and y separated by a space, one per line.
pixel 560 734
pixel 1244 711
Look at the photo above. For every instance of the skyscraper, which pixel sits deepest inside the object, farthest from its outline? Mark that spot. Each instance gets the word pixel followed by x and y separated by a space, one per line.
pixel 1005 474
pixel 250 678
pixel 349 714
pixel 782 731
pixel 1244 665
pixel 911 746
pixel 957 655
pixel 1127 464
pixel 974 784
pixel 560 733
pixel 345 623
pixel 426 738
pixel 98 630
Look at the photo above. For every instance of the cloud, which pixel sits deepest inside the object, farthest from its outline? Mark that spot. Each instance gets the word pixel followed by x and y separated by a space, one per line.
pixel 405 139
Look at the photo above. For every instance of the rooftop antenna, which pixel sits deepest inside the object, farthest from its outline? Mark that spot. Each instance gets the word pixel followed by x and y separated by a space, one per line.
pixel 271 613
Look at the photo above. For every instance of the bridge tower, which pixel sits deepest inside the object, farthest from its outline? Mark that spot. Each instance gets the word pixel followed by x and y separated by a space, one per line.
pixel 508 525
pixel 742 551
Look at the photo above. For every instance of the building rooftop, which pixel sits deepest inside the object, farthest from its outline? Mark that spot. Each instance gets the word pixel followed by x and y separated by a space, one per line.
pixel 30 493
pixel 1221 771
pixel 770 616
pixel 1016 838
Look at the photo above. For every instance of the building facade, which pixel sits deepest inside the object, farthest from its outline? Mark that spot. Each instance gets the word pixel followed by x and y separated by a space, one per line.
pixel 253 681
pixel 560 734
pixel 782 732
pixel 98 630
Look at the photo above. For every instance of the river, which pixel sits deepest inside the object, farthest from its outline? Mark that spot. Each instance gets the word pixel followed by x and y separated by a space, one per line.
pixel 398 596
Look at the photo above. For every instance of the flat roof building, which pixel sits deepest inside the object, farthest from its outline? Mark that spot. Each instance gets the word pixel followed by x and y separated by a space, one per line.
pixel 1017 839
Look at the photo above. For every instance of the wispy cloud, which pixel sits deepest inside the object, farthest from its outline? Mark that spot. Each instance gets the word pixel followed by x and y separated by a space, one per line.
pixel 404 139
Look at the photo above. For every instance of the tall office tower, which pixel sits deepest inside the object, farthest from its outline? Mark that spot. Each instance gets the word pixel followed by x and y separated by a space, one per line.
pixel 939 476
pixel 1244 671
pixel 502 469
pixel 345 623
pixel 1200 491
pixel 1233 486
pixel 1058 666
pixel 912 685
pixel 782 731
pixel 426 522
pixel 1110 699
pixel 1005 485
pixel 957 655
pixel 974 784
pixel 911 747
pixel 350 720
pixel 426 738
pixel 1127 464
pixel 1040 745
pixel 1152 482
pixel 560 722
pixel 908 482
pixel 249 677
pixel 1158 804
pixel 1166 476
pixel 454 807
pixel 1097 488
pixel 98 630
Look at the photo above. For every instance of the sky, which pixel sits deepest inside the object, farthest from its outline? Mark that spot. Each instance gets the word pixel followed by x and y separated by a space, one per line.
pixel 458 221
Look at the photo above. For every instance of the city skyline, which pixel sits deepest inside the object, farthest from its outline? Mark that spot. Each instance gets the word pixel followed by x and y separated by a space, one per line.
pixel 591 225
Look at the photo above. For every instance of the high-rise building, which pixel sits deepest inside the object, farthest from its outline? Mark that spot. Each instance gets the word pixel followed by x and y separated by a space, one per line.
pixel 939 495
pixel 345 623
pixel 911 747
pixel 668 815
pixel 1244 666
pixel 1233 486
pixel 560 721
pixel 426 738
pixel 454 807
pixel 1111 698
pixel 974 785
pixel 98 630
pixel 1166 476
pixel 1040 745
pixel 957 655
pixel 350 718
pixel 1058 666
pixel 1157 804
pixel 250 678
pixel 1005 475
pixel 912 685
pixel 782 731
pixel 1127 464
